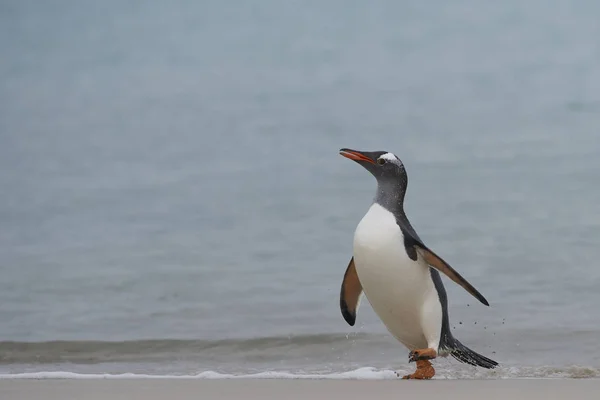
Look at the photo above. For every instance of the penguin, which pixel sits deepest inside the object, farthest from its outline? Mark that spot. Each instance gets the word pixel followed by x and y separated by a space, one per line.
pixel 400 275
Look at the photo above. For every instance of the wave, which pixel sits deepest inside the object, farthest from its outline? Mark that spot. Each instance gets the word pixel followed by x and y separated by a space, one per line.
pixel 366 373
pixel 160 349
pixel 319 356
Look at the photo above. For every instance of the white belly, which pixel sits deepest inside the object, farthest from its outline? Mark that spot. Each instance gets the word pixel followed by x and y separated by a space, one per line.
pixel 399 289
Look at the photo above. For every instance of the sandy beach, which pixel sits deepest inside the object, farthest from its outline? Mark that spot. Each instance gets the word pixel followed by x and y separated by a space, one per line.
pixel 250 389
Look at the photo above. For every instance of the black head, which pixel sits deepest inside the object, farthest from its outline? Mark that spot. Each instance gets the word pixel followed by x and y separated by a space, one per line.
pixel 389 172
pixel 382 164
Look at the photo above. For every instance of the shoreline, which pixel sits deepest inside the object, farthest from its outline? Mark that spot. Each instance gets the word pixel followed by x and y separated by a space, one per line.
pixel 460 372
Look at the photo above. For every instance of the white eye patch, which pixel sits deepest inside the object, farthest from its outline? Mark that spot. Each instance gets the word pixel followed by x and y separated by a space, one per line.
pixel 389 157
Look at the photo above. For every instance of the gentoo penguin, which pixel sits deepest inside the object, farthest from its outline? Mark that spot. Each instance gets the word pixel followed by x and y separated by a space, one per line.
pixel 400 275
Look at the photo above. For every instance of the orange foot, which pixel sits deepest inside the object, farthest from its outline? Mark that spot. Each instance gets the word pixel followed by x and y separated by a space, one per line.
pixel 422 354
pixel 424 371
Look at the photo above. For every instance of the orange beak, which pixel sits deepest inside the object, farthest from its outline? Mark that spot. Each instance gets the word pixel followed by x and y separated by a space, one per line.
pixel 355 155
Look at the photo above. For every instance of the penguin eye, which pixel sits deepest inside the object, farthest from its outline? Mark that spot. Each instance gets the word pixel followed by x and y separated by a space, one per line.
pixel 380 161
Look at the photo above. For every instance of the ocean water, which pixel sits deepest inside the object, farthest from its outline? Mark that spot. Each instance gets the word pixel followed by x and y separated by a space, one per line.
pixel 172 201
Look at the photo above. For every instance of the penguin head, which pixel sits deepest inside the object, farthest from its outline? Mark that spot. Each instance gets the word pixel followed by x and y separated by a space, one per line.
pixel 386 167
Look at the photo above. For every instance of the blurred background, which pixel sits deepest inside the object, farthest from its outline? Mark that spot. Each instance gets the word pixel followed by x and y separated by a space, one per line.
pixel 172 199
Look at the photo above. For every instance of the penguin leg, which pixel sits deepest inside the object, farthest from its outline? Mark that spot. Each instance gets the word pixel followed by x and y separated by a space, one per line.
pixel 422 354
pixel 424 371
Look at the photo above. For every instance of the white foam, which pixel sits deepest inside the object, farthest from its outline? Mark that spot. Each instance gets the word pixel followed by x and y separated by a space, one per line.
pixel 366 373
pixel 361 373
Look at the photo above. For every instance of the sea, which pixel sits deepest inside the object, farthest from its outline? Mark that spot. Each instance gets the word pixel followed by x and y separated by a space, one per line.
pixel 173 202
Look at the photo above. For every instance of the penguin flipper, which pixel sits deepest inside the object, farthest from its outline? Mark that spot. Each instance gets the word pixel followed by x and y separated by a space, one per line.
pixel 350 293
pixel 413 245
pixel 438 263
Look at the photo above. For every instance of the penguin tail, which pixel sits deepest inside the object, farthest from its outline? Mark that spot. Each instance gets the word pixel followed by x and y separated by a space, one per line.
pixel 465 355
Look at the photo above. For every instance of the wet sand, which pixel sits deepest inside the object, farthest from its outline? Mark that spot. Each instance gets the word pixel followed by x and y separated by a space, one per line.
pixel 255 389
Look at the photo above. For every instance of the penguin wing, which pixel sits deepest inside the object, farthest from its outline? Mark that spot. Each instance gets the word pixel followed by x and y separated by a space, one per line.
pixel 350 294
pixel 438 263
pixel 414 244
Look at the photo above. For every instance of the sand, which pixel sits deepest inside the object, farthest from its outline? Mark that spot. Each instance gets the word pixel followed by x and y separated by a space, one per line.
pixel 251 389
